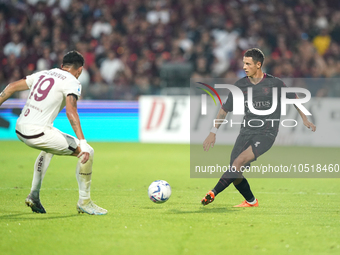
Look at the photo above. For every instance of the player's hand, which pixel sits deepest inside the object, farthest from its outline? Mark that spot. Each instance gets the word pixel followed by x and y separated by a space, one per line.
pixel 209 141
pixel 309 125
pixel 85 150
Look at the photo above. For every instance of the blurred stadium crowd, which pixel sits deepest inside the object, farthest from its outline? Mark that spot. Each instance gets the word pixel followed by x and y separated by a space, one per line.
pixel 126 44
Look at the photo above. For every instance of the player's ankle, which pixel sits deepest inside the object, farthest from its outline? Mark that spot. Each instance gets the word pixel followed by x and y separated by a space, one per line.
pixel 252 201
pixel 84 201
pixel 34 194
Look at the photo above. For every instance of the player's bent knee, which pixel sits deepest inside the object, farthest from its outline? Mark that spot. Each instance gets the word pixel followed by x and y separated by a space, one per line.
pixel 45 154
pixel 244 158
pixel 42 153
pixel 240 161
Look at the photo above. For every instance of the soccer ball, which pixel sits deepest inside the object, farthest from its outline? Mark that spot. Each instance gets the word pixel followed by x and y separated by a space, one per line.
pixel 159 191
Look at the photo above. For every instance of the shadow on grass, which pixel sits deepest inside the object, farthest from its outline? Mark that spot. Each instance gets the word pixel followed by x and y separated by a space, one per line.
pixel 151 207
pixel 33 216
pixel 203 210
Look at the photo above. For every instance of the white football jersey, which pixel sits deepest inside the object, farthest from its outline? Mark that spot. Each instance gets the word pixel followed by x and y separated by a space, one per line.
pixel 48 91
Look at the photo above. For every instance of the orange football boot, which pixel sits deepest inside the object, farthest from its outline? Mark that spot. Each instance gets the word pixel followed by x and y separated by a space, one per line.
pixel 246 204
pixel 208 198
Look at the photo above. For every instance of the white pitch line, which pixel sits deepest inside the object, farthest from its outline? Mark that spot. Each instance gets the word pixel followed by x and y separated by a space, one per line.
pixel 257 192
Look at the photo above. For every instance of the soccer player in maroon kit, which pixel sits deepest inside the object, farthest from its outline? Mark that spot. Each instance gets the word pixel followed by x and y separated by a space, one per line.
pixel 252 141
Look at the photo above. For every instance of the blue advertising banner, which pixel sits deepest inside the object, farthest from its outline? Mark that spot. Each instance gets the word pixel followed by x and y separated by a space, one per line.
pixel 113 121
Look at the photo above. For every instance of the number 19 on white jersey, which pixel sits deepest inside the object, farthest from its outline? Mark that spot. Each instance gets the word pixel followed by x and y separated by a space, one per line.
pixel 48 91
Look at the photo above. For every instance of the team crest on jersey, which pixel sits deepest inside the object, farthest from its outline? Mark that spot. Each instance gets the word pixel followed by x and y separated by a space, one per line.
pixel 265 91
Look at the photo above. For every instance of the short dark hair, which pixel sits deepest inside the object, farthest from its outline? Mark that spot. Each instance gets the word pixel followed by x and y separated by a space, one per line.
pixel 256 54
pixel 73 58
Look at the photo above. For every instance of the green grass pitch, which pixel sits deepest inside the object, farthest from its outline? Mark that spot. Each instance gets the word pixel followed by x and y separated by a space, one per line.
pixel 295 216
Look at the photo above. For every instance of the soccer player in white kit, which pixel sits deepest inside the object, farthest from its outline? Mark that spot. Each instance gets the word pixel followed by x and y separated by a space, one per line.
pixel 50 91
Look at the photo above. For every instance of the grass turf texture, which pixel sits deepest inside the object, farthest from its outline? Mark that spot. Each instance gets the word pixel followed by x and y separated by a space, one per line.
pixel 296 216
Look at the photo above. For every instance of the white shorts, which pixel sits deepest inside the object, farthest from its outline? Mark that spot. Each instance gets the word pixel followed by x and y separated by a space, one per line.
pixel 48 139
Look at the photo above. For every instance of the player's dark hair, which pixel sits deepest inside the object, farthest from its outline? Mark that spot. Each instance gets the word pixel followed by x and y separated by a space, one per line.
pixel 73 58
pixel 256 54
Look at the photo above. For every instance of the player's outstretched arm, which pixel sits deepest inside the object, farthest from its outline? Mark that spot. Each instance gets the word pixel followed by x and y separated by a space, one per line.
pixel 19 85
pixel 305 120
pixel 73 117
pixel 211 139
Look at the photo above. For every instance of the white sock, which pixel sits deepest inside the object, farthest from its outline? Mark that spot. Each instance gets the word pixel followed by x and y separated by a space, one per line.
pixel 84 174
pixel 40 168
pixel 252 203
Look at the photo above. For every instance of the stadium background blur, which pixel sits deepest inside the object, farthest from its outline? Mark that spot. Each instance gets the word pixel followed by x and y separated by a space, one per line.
pixel 149 47
pixel 138 48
